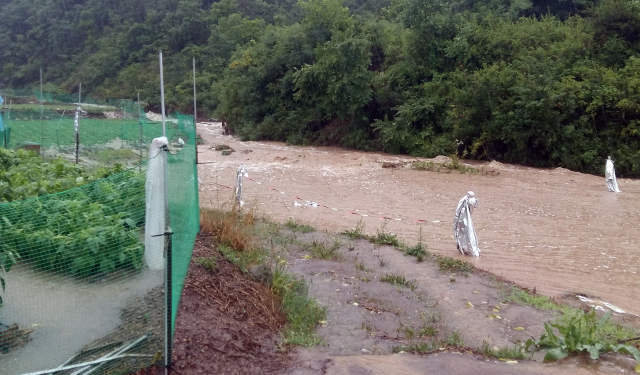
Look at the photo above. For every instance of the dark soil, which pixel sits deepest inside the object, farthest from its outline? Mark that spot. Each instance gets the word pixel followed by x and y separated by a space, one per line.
pixel 227 323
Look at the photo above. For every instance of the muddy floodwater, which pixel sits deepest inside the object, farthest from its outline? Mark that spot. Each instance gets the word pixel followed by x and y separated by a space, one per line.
pixel 551 229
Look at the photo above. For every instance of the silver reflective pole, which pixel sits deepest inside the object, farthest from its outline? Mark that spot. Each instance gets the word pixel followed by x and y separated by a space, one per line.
pixel 164 130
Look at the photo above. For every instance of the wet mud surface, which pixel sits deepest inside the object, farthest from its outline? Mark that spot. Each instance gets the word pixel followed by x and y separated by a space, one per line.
pixel 552 229
pixel 370 320
pixel 556 231
pixel 226 323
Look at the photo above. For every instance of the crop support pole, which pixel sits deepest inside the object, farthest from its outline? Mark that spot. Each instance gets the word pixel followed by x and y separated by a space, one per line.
pixel 164 129
pixel 195 112
pixel 78 129
pixel 168 347
pixel 140 140
pixel 41 120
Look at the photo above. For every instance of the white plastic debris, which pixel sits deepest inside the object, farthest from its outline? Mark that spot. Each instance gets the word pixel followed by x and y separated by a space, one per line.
pixel 156 209
pixel 242 172
pixel 610 176
pixel 76 118
pixel 463 230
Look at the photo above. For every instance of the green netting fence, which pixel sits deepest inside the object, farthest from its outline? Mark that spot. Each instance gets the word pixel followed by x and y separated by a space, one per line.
pixel 77 292
pixel 110 131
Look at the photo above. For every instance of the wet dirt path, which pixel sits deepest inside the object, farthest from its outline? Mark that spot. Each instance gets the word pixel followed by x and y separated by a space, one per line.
pixel 555 230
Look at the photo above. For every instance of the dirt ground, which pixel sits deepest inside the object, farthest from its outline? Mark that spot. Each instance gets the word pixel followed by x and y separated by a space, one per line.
pixel 229 324
pixel 226 323
pixel 555 230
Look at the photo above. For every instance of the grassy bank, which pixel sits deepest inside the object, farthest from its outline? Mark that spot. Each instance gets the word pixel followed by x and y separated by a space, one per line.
pixel 241 238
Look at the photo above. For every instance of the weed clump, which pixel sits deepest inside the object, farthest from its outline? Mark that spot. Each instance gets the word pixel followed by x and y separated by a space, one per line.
pixel 579 334
pixel 517 352
pixel 231 228
pixel 447 264
pixel 356 233
pixel 419 250
pixel 320 250
pixel 385 238
pixel 303 313
pixel 298 227
pixel 208 263
pixel 398 280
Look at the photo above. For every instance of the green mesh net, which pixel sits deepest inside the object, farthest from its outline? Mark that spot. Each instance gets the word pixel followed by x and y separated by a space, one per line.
pixel 76 290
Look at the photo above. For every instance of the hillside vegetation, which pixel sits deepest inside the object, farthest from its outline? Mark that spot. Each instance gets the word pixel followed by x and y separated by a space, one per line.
pixel 545 83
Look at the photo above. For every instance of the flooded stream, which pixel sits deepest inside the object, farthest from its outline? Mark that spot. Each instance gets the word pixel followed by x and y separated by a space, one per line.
pixel 552 229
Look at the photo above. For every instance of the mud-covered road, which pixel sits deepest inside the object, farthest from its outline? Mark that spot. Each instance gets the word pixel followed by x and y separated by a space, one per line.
pixel 552 229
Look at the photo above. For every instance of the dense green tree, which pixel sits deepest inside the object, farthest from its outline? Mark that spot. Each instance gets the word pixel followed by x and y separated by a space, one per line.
pixel 540 82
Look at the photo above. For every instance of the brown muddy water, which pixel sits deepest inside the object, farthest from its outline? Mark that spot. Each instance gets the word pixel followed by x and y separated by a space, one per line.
pixel 551 229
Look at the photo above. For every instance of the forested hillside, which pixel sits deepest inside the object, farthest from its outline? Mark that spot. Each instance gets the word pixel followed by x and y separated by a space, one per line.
pixel 544 82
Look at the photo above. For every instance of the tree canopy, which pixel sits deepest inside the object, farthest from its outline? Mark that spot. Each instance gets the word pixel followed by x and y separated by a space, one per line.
pixel 546 83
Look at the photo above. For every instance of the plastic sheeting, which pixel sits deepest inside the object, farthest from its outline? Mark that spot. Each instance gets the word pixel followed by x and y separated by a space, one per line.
pixel 610 176
pixel 242 172
pixel 156 214
pixel 463 230
pixel 76 118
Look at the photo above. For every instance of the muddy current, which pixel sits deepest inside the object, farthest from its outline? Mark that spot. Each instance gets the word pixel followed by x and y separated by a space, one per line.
pixel 550 229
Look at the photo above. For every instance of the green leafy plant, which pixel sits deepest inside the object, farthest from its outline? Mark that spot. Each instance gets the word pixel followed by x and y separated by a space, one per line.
pixel 90 230
pixel 580 334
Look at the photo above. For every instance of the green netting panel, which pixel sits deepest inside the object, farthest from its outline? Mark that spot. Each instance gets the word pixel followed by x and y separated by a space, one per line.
pixel 184 214
pixel 111 132
pixel 76 287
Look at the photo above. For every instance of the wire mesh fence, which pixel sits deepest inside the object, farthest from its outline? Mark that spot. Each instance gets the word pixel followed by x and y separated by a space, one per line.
pixel 77 295
pixel 110 132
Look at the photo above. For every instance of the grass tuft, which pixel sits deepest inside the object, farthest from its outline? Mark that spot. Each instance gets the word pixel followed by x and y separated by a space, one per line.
pixel 297 227
pixel 398 280
pixel 320 250
pixel 517 352
pixel 447 264
pixel 208 263
pixel 303 313
pixel 231 228
pixel 424 347
pixel 356 233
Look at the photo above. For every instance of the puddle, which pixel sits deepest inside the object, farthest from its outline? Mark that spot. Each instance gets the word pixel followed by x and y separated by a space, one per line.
pixel 67 314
